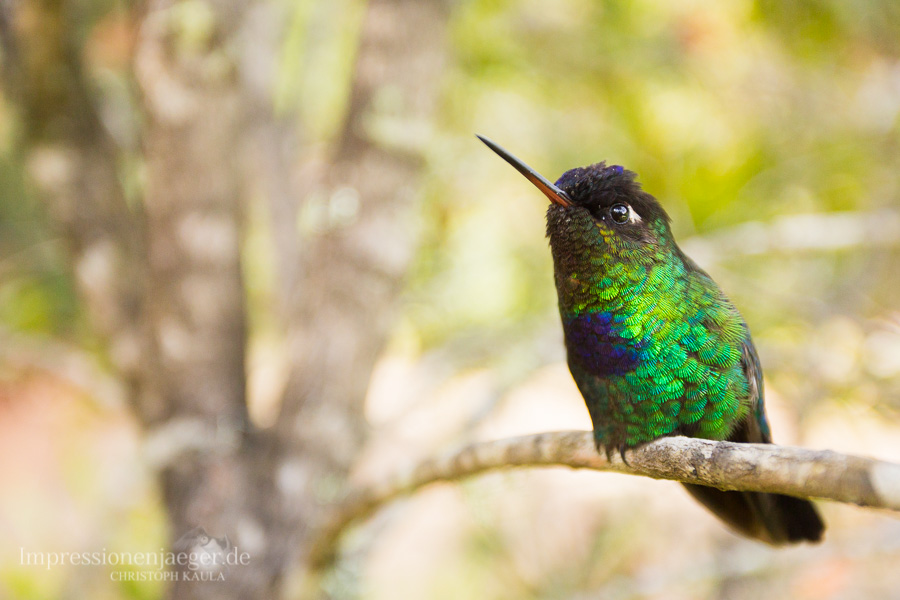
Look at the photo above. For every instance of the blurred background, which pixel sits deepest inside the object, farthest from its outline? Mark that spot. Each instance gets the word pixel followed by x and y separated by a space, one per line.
pixel 251 252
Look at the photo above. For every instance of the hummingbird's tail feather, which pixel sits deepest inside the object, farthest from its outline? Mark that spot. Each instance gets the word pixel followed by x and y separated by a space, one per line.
pixel 771 518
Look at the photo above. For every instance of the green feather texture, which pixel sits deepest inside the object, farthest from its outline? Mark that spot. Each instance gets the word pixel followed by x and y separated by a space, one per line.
pixel 653 344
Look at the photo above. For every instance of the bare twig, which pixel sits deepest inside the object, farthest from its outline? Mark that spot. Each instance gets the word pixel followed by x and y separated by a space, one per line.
pixel 797 233
pixel 724 465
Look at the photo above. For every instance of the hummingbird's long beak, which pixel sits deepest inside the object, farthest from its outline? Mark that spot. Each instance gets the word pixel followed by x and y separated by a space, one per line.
pixel 556 195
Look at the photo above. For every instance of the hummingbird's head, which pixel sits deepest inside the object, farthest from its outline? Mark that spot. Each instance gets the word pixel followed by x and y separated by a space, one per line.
pixel 599 215
pixel 606 214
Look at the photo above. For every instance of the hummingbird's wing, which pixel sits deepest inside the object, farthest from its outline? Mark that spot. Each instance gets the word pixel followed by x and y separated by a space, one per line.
pixel 757 427
pixel 773 518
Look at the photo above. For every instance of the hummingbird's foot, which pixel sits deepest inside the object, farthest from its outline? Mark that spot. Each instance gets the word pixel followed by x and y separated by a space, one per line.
pixel 622 449
pixel 609 450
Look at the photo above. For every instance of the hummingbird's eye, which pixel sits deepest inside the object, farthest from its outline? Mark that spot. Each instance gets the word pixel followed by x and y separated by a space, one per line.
pixel 619 213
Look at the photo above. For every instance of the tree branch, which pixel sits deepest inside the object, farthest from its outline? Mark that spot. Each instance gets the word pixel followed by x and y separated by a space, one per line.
pixel 797 233
pixel 724 465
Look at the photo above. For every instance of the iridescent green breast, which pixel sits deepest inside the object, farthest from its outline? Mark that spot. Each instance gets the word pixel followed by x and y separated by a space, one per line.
pixel 654 346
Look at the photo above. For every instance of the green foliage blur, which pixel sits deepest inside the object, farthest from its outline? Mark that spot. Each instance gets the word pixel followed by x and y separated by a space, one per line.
pixel 731 113
pixel 739 116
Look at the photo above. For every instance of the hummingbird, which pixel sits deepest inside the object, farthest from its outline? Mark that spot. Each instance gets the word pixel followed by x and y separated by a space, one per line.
pixel 654 346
